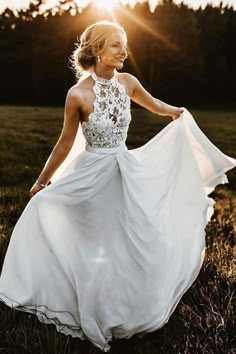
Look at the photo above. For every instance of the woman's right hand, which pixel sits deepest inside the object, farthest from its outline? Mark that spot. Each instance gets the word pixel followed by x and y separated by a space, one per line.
pixel 35 189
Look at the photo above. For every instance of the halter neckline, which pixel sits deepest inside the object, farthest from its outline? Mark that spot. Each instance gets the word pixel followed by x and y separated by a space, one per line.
pixel 102 80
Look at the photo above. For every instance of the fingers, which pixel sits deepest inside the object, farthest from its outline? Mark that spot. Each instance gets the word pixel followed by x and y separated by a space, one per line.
pixel 35 189
pixel 179 113
pixel 31 194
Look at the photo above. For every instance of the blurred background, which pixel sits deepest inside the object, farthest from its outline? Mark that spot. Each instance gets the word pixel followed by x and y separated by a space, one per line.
pixel 182 52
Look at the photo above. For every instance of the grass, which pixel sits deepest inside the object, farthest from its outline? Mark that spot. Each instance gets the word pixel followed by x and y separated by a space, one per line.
pixel 204 320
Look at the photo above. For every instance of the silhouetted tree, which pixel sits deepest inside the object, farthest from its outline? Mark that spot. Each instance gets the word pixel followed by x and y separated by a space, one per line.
pixel 179 54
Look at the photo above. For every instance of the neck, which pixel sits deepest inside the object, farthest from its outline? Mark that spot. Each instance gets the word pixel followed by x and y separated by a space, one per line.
pixel 105 73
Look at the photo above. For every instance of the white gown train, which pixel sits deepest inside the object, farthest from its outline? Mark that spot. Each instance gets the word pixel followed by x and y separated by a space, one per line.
pixel 110 247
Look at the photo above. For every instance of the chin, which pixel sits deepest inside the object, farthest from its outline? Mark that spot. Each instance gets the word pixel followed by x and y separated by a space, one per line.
pixel 119 66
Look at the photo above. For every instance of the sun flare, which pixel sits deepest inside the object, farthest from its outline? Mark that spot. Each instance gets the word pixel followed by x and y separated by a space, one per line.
pixel 105 4
pixel 44 7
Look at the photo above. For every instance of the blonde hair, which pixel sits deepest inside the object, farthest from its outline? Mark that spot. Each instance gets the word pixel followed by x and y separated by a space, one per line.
pixel 92 41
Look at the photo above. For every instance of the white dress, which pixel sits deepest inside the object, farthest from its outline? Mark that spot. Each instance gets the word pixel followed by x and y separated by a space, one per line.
pixel 110 247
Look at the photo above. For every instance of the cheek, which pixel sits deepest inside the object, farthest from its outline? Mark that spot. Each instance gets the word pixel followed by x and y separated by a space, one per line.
pixel 111 52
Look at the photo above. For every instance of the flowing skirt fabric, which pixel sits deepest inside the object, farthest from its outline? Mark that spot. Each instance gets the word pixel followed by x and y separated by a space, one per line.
pixel 109 249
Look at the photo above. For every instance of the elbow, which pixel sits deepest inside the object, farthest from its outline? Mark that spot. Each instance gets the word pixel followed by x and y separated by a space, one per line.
pixel 156 106
pixel 64 145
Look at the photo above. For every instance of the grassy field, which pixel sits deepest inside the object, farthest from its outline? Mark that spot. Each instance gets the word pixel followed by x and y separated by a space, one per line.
pixel 204 320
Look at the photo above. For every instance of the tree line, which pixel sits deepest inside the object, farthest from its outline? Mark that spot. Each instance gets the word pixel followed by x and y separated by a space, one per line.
pixel 180 55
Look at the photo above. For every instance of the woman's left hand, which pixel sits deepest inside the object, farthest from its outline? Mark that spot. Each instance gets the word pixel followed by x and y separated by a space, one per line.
pixel 178 113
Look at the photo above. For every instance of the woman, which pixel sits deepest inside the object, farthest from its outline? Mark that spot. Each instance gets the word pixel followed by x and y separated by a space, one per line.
pixel 111 245
pixel 102 48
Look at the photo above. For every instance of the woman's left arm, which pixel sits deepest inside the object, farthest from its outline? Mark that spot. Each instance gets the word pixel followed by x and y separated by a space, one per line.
pixel 146 100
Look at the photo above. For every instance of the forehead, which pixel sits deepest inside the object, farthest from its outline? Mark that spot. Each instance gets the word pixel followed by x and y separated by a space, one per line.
pixel 117 36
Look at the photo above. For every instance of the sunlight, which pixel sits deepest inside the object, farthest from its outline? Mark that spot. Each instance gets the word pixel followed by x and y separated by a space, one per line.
pixel 105 4
pixel 53 6
pixel 196 4
pixel 15 4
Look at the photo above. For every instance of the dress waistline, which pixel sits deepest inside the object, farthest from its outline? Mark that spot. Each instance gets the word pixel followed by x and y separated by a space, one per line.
pixel 107 151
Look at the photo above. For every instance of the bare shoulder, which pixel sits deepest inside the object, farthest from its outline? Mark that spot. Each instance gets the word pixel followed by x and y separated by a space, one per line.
pixel 73 95
pixel 129 81
pixel 78 91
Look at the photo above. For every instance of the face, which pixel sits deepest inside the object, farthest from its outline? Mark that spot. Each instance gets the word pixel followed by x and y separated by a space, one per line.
pixel 114 53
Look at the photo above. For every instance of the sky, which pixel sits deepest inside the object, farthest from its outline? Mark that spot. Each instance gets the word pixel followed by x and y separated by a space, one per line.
pixel 107 4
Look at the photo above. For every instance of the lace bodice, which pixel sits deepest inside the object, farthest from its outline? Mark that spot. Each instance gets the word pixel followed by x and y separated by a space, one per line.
pixel 107 125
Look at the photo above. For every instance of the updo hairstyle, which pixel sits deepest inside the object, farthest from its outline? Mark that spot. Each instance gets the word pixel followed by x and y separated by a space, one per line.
pixel 92 41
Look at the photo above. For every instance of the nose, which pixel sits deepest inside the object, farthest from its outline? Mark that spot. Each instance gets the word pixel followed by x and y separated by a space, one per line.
pixel 124 52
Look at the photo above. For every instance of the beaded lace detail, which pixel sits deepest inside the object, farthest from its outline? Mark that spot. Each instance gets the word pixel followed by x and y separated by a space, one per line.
pixel 108 124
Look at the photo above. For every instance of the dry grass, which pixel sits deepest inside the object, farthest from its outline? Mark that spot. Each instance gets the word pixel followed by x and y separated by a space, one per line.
pixel 204 320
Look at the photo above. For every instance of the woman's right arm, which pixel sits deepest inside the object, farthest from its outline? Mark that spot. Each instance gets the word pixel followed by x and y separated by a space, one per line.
pixel 65 141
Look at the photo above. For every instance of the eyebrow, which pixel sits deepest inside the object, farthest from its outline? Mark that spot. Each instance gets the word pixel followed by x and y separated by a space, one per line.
pixel 117 42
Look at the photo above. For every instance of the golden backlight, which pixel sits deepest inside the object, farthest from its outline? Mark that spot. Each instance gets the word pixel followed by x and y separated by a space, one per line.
pixel 78 5
pixel 105 4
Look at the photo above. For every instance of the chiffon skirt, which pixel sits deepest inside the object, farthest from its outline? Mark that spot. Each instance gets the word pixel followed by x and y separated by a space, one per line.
pixel 109 249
